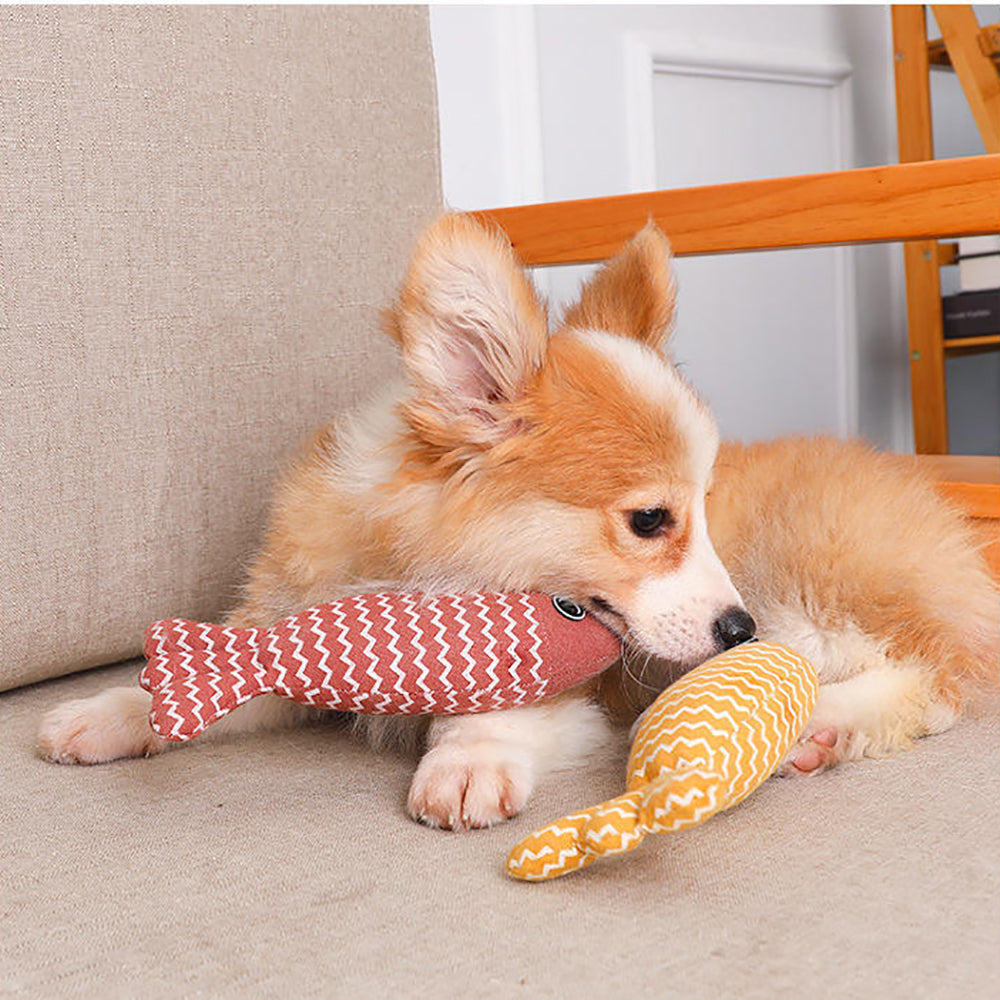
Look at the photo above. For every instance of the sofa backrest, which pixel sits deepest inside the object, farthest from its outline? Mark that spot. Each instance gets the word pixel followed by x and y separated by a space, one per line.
pixel 202 210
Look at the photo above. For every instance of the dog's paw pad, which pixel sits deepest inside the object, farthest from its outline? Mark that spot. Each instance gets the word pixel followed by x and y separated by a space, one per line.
pixel 815 753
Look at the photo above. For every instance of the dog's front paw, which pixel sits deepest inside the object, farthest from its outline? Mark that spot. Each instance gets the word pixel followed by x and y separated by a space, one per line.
pixel 468 786
pixel 95 730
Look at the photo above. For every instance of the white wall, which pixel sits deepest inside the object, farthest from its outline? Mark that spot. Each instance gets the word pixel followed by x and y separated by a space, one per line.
pixel 535 105
pixel 487 71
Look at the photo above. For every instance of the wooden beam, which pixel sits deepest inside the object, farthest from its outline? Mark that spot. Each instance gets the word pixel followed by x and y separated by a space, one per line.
pixel 988 40
pixel 959 197
pixel 976 72
pixel 924 322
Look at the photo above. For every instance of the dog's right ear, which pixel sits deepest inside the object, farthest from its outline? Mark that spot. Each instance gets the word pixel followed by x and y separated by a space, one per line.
pixel 472 332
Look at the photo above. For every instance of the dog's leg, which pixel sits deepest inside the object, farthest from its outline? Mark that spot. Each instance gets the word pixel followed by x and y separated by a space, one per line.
pixel 112 724
pixel 480 769
pixel 115 723
pixel 873 714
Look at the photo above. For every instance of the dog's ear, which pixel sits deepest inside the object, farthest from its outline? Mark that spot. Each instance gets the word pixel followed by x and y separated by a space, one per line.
pixel 472 332
pixel 633 294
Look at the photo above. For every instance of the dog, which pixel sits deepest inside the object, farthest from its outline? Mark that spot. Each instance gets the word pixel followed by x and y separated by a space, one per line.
pixel 580 462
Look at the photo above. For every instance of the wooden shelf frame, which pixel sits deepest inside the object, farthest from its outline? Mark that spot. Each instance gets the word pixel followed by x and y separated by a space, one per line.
pixel 988 39
pixel 975 69
pixel 972 345
pixel 968 50
pixel 906 201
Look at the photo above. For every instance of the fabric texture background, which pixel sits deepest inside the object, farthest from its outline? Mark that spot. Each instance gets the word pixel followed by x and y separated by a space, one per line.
pixel 202 210
pixel 283 865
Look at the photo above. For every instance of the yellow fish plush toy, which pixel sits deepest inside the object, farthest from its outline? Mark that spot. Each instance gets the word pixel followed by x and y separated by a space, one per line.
pixel 705 744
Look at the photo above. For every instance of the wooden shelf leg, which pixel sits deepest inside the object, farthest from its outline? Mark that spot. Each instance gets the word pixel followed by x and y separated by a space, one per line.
pixel 926 337
pixel 975 70
pixel 923 280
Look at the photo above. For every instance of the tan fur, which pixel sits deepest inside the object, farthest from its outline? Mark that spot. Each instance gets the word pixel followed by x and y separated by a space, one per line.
pixel 847 535
pixel 633 296
pixel 512 460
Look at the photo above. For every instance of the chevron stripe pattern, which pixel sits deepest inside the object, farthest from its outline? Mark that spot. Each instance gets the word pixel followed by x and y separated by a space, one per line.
pixel 705 744
pixel 385 653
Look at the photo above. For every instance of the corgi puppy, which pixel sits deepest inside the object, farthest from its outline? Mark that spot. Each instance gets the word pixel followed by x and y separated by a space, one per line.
pixel 580 462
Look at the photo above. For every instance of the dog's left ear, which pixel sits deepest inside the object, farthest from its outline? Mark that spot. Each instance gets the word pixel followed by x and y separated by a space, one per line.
pixel 633 294
pixel 472 331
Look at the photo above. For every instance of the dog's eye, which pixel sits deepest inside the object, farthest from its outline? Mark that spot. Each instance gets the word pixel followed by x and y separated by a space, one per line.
pixel 650 521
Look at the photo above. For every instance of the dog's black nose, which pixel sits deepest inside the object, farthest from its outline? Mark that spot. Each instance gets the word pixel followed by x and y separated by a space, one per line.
pixel 732 627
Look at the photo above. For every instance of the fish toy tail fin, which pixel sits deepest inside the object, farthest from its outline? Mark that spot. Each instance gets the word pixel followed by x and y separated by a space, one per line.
pixel 577 840
pixel 198 673
pixel 675 800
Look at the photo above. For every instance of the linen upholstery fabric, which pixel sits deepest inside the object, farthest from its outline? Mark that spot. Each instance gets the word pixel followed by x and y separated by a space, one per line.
pixel 284 866
pixel 201 211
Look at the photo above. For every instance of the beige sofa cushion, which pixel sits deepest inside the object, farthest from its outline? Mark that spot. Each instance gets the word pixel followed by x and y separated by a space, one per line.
pixel 282 865
pixel 201 211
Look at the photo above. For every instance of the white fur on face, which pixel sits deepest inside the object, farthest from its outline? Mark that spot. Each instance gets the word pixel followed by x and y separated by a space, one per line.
pixel 646 373
pixel 673 614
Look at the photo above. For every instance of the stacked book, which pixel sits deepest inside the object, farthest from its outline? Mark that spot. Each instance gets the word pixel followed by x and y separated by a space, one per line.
pixel 975 310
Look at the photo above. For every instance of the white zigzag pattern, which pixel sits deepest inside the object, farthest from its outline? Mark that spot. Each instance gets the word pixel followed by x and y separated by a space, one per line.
pixel 726 724
pixel 692 736
pixel 757 753
pixel 349 681
pixel 535 663
pixel 332 697
pixel 257 669
pixel 468 673
pixel 273 650
pixel 169 702
pixel 677 800
pixel 761 678
pixel 568 859
pixel 442 637
pixel 625 838
pixel 361 605
pixel 188 677
pixel 562 862
pixel 397 654
pixel 410 607
pixel 507 614
pixel 485 616
pixel 297 655
pixel 211 670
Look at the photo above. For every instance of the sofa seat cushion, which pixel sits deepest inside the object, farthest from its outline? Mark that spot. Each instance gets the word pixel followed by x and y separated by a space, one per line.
pixel 284 865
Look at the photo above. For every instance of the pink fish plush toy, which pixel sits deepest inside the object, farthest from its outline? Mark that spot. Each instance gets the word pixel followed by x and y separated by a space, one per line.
pixel 386 653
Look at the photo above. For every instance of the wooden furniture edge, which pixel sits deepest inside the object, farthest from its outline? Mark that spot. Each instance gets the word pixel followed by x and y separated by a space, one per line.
pixel 988 39
pixel 924 321
pixel 974 68
pixel 904 201
pixel 971 481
